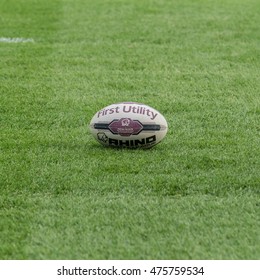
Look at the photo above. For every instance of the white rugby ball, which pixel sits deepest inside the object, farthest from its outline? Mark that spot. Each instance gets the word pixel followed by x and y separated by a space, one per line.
pixel 128 124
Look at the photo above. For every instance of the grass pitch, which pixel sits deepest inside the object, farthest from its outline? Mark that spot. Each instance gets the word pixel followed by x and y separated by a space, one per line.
pixel 195 195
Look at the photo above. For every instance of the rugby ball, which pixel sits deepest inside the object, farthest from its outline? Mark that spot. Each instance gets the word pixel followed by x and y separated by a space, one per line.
pixel 128 124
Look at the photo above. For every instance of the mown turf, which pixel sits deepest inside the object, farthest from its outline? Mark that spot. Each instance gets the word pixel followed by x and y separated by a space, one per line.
pixel 194 196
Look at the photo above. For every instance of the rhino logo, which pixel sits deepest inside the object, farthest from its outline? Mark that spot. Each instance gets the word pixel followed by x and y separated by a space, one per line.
pixel 102 137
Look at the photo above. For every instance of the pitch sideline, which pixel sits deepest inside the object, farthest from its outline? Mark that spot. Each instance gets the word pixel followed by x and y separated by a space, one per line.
pixel 16 40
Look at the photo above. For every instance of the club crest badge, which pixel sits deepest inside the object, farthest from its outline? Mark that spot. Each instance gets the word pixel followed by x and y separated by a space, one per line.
pixel 125 127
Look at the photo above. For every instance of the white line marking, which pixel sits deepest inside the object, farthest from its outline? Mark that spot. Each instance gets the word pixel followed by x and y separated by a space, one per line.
pixel 16 40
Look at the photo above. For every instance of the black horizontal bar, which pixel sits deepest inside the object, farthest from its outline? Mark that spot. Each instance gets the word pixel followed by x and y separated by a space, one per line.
pixel 151 127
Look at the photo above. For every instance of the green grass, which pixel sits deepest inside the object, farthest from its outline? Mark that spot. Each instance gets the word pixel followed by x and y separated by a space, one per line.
pixel 194 196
